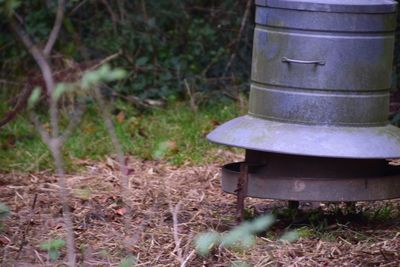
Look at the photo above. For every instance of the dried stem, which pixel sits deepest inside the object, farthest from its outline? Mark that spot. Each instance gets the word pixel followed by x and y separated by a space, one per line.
pixel 239 36
pixel 174 211
pixel 124 179
pixel 19 106
pixel 56 28
pixel 52 140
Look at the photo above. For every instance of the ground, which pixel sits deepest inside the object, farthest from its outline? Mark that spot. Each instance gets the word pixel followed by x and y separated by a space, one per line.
pixel 170 206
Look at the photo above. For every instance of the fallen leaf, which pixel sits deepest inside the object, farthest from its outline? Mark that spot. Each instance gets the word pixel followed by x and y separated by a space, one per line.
pixel 121 117
pixel 121 211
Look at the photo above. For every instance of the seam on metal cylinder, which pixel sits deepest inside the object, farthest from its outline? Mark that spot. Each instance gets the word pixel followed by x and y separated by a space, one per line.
pixel 260 85
pixel 271 118
pixel 323 33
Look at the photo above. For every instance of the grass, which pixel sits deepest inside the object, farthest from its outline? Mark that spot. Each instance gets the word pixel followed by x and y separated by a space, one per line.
pixel 175 134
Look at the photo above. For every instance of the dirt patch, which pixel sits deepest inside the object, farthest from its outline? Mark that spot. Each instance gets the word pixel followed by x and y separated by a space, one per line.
pixel 170 206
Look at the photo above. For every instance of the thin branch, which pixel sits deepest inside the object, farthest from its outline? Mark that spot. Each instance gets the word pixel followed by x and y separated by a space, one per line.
pixel 56 28
pixel 239 36
pixel 45 69
pixel 174 211
pixel 105 60
pixel 38 126
pixel 114 18
pixel 192 98
pixel 124 179
pixel 52 141
pixel 75 119
pixel 19 106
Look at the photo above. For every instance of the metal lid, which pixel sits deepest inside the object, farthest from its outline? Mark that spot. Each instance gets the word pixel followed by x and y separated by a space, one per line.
pixel 309 140
pixel 342 6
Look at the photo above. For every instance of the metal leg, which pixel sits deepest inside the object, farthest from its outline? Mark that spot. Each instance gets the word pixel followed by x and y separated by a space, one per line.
pixel 241 191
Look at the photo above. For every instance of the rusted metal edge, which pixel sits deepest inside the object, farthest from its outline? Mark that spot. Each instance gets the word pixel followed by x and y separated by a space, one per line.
pixel 264 186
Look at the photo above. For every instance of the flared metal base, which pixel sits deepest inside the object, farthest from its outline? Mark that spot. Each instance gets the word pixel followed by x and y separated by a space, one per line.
pixel 310 140
pixel 302 178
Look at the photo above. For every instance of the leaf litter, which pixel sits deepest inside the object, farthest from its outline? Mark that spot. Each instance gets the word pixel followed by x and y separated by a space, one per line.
pixel 170 206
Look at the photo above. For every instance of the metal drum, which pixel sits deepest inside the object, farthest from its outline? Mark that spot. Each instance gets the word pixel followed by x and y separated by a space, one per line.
pixel 321 74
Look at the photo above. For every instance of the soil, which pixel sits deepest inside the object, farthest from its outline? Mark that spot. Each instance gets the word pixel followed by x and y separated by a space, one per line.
pixel 169 207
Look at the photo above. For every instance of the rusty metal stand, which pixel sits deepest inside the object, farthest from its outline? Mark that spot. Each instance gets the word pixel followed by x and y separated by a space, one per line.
pixel 241 191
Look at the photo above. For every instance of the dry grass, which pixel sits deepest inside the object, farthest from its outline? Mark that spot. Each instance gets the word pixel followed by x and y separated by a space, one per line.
pixel 170 206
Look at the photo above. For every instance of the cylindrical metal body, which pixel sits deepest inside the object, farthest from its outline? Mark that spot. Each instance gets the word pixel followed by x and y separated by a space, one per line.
pixel 318 67
pixel 321 72
pixel 317 127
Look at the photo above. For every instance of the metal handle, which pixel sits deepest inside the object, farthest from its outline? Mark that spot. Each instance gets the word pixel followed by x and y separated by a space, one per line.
pixel 316 62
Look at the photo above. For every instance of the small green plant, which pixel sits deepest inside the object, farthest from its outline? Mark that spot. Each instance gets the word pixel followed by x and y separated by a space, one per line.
pixel 4 213
pixel 53 248
pixel 128 261
pixel 242 236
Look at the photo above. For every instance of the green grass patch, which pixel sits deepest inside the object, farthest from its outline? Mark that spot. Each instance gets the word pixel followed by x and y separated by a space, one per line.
pixel 175 133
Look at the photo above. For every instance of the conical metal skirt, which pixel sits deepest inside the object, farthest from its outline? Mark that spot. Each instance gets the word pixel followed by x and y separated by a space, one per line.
pixel 310 140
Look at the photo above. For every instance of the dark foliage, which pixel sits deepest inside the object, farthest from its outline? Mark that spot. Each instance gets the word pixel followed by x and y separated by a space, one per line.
pixel 167 46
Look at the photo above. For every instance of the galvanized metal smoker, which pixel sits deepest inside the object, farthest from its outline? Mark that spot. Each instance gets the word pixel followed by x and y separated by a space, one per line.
pixel 317 127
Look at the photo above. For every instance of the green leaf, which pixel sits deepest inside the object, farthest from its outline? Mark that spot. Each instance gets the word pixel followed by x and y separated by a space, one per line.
pixel 205 242
pixel 240 264
pixel 54 254
pixel 262 223
pixel 34 98
pixel 128 261
pixel 52 244
pixel 161 150
pixel 4 211
pixel 89 79
pixel 289 237
pixel 116 74
pixel 240 236
pixel 103 71
pixel 59 90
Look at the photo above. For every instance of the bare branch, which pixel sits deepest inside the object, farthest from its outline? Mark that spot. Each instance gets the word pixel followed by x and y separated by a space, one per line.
pixel 45 69
pixel 106 60
pixel 53 140
pixel 19 106
pixel 43 133
pixel 174 211
pixel 114 18
pixel 75 119
pixel 56 28
pixel 124 179
pixel 239 36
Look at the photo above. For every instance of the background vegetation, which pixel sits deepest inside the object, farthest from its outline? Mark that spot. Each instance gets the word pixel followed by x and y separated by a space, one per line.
pixel 167 46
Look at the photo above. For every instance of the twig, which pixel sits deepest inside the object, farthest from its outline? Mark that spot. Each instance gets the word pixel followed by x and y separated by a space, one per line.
pixel 75 119
pixel 52 140
pixel 56 28
pixel 38 126
pixel 112 14
pixel 79 5
pixel 174 211
pixel 239 36
pixel 27 227
pixel 191 96
pixel 21 103
pixel 124 179
pixel 104 61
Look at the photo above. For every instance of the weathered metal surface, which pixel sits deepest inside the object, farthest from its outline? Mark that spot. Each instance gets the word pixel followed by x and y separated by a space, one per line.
pixel 321 75
pixel 305 71
pixel 323 141
pixel 348 6
pixel 287 177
